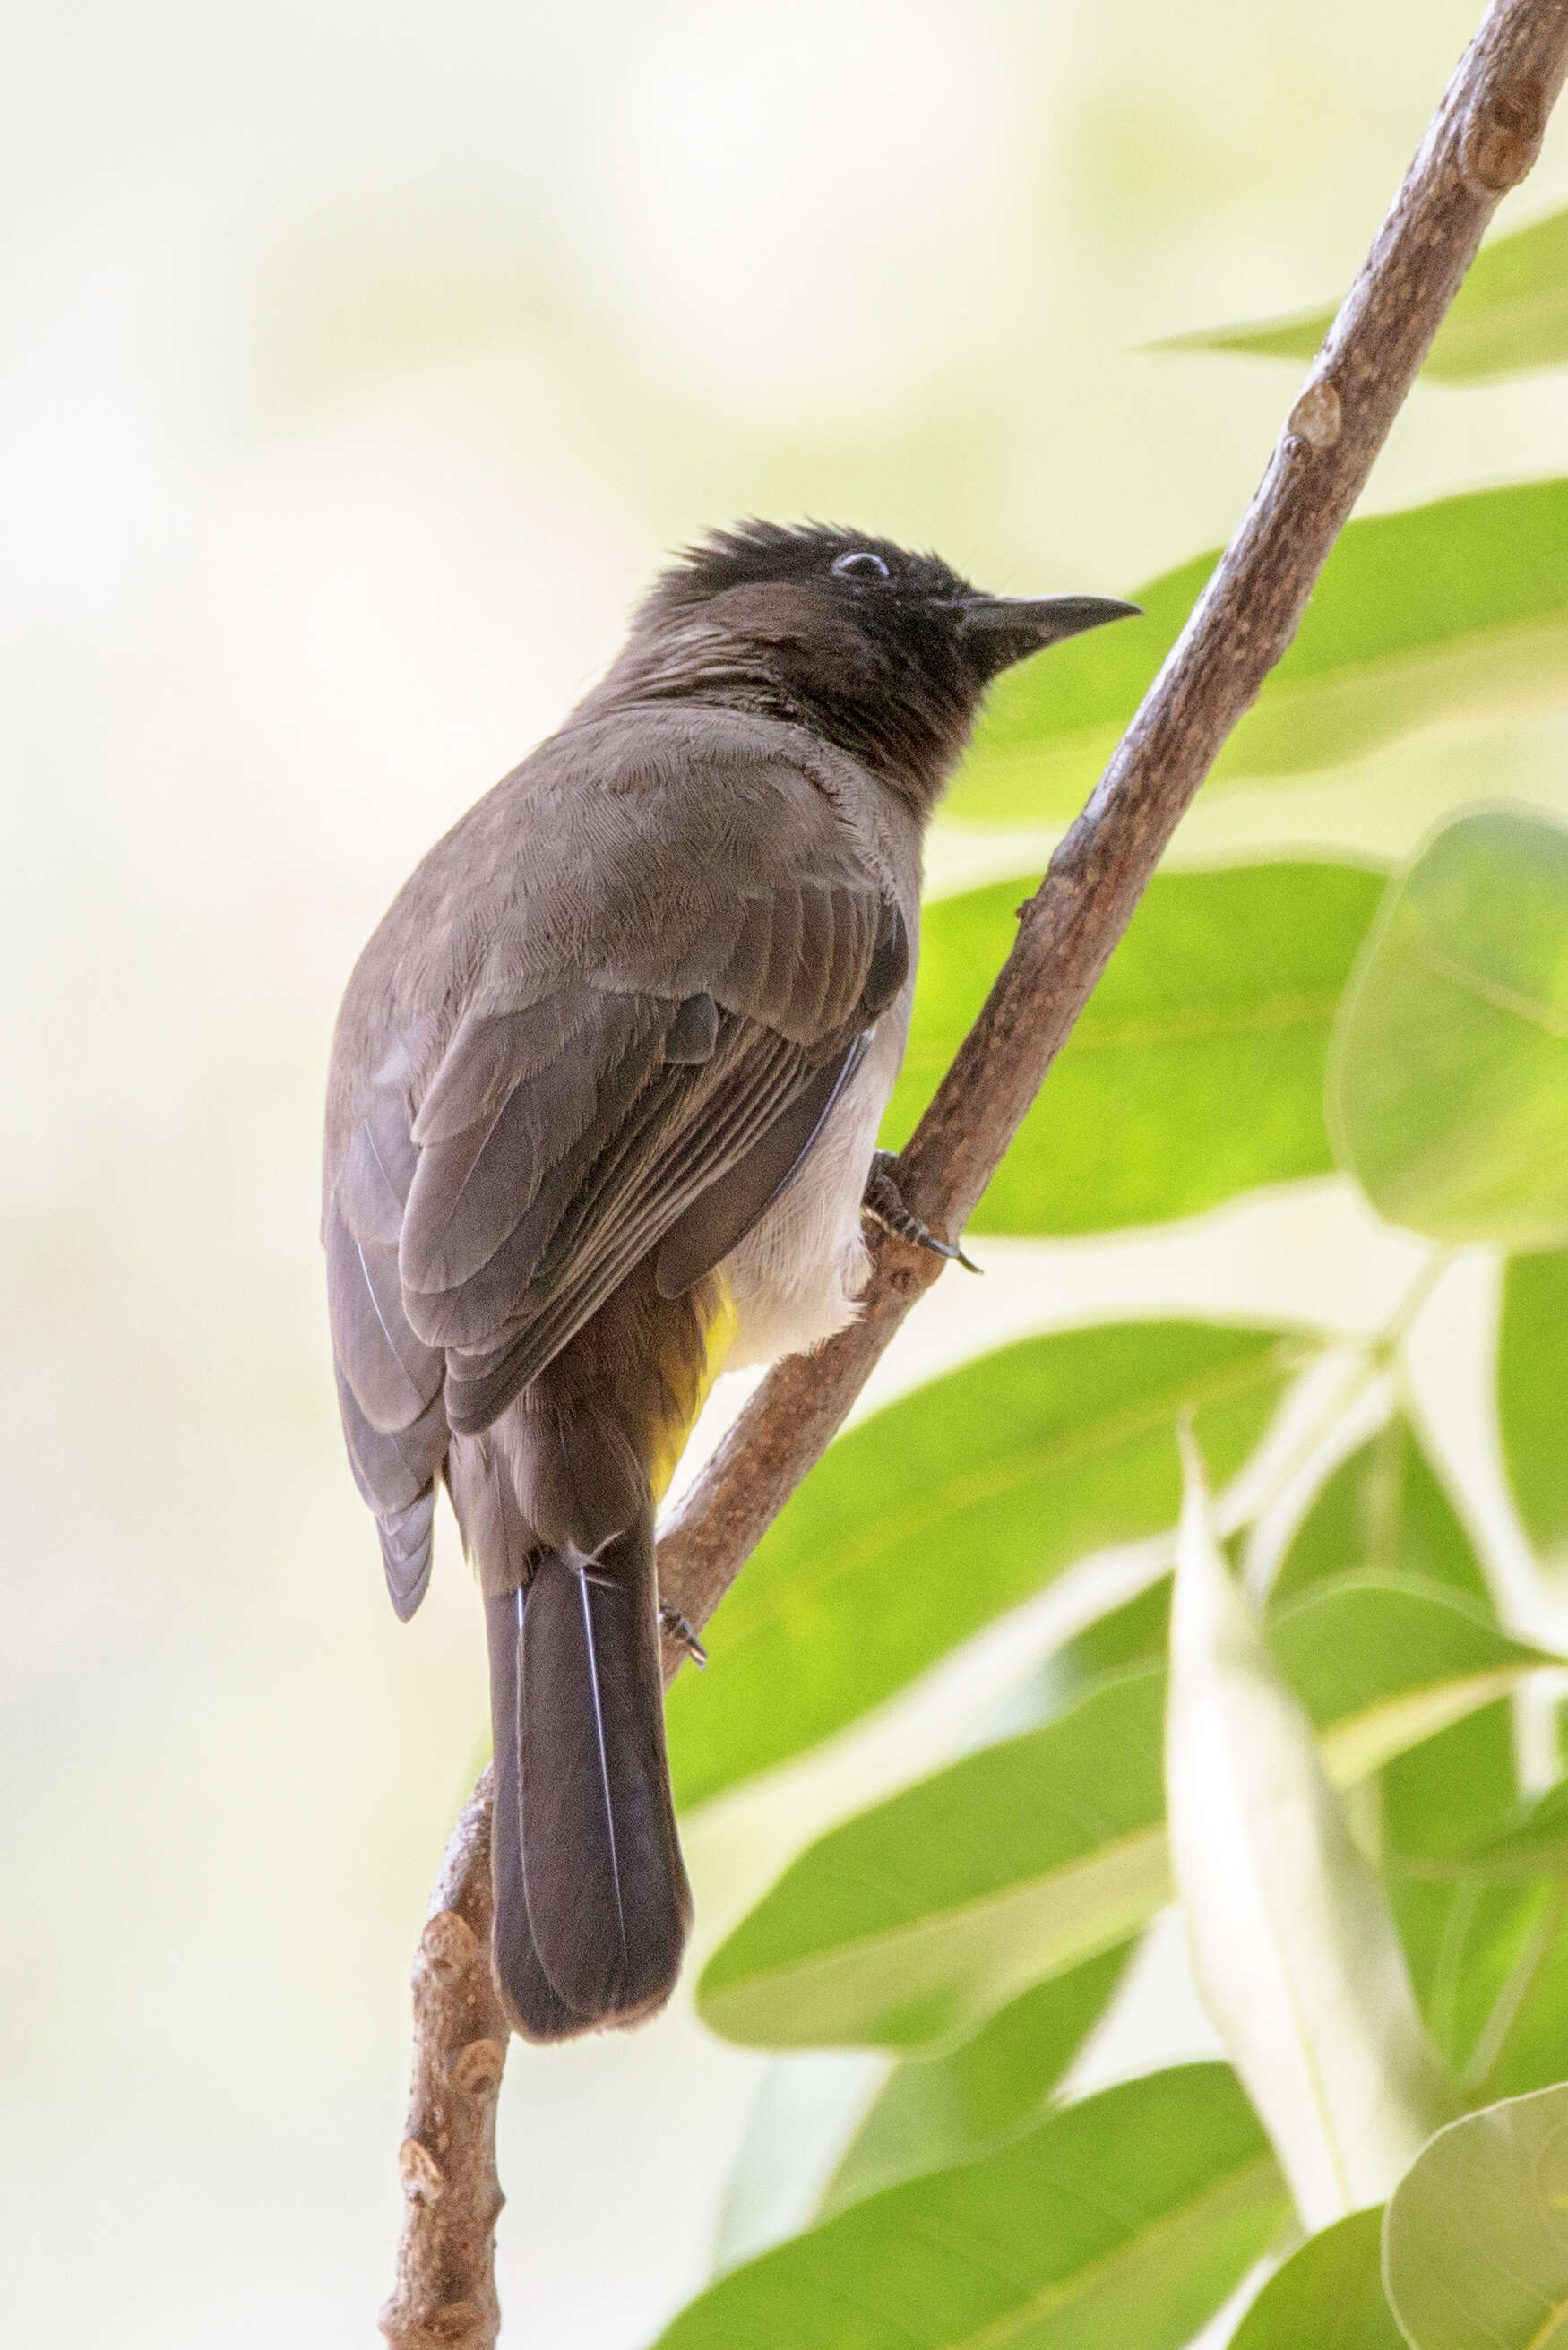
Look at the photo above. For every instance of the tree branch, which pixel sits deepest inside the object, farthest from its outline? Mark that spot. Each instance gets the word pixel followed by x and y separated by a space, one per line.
pixel 445 2296
pixel 1481 142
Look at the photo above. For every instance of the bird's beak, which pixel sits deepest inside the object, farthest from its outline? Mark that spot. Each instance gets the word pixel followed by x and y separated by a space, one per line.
pixel 1036 621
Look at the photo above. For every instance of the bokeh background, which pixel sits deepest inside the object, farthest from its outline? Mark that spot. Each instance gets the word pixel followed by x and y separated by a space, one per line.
pixel 358 365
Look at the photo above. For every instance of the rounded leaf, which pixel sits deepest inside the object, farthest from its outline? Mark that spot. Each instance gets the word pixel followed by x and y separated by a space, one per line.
pixel 1475 2242
pixel 1449 1079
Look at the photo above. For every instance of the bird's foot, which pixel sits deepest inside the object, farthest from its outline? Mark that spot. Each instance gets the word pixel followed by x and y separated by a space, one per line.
pixel 671 1620
pixel 883 1203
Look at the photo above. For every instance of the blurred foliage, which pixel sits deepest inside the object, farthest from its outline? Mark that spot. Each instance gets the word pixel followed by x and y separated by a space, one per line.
pixel 1293 1946
pixel 1474 2244
pixel 1449 1089
pixel 1382 1510
pixel 1128 2218
pixel 1223 989
pixel 934 2111
pixel 1017 1465
pixel 1529 1398
pixel 1446 614
pixel 910 1923
pixel 1509 317
pixel 1328 2296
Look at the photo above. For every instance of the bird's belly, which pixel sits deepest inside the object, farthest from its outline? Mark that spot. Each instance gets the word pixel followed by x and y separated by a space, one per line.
pixel 796 1277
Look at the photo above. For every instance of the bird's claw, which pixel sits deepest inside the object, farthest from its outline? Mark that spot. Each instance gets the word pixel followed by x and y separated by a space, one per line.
pixel 671 1620
pixel 883 1204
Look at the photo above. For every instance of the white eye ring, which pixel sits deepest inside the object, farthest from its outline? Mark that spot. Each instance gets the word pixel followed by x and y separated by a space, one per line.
pixel 860 561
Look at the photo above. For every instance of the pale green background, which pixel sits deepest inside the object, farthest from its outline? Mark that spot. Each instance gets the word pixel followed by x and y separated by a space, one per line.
pixel 360 363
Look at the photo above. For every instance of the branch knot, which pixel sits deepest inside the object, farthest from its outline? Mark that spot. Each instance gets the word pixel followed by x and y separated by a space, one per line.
pixel 1502 137
pixel 421 2171
pixel 449 1946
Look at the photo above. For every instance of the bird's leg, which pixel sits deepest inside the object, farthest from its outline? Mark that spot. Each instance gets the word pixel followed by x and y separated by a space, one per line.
pixel 671 1621
pixel 883 1203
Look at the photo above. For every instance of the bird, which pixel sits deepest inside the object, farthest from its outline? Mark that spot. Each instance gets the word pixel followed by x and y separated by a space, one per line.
pixel 602 1117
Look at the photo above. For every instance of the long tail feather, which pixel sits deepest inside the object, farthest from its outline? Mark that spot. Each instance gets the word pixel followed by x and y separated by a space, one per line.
pixel 534 2006
pixel 608 1901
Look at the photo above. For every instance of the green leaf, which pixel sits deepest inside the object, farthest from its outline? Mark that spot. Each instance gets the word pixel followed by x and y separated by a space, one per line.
pixel 1293 1947
pixel 1448 1079
pixel 1532 1394
pixel 1492 1938
pixel 1439 1800
pixel 1382 1510
pixel 1138 1633
pixel 1475 2242
pixel 907 1927
pixel 1510 315
pixel 1450 613
pixel 1196 1070
pixel 1502 1985
pixel 1455 1790
pixel 1523 2040
pixel 1535 1845
pixel 932 1517
pixel 1328 2296
pixel 1377 1656
pixel 1126 2219
pixel 934 2111
pixel 911 1923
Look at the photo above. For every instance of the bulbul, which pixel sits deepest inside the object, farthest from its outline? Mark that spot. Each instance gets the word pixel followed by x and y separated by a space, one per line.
pixel 602 1113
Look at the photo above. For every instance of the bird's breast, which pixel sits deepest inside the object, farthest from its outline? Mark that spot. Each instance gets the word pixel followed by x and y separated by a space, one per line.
pixel 796 1276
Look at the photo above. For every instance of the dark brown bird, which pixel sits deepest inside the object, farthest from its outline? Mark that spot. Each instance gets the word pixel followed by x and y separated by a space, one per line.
pixel 602 1113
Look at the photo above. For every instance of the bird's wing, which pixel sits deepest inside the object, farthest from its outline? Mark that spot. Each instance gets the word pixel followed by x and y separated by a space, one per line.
pixel 389 1383
pixel 483 1208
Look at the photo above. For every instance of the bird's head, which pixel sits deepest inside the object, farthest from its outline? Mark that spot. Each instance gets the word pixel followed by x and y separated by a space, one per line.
pixel 886 653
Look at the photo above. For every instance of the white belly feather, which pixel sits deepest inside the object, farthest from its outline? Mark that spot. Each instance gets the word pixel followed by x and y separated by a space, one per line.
pixel 796 1277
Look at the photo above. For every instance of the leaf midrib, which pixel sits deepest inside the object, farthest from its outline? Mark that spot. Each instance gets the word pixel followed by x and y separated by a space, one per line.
pixel 1044 1458
pixel 1094 1033
pixel 949 1917
pixel 1493 991
pixel 1231 2193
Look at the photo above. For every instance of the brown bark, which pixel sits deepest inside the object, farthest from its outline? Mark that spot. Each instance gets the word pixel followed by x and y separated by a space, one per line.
pixel 446 2295
pixel 1482 139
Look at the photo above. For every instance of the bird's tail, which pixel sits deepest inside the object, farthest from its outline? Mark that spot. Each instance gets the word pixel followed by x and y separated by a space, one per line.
pixel 592 1906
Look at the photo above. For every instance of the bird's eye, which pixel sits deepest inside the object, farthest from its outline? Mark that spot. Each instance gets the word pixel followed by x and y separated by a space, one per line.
pixel 860 565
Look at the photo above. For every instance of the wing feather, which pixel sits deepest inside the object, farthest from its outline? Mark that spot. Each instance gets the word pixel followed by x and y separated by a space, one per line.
pixel 493 1190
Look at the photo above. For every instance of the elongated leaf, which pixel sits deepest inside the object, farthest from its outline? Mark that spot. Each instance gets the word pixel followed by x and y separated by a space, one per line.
pixel 1490 1936
pixel 1196 1068
pixel 1454 1791
pixel 1366 1651
pixel 907 1927
pixel 1382 1510
pixel 931 1518
pixel 1452 613
pixel 1448 1080
pixel 1293 1950
pixel 934 2111
pixel 1126 2219
pixel 1133 1635
pixel 1509 317
pixel 1521 2041
pixel 1532 1394
pixel 1440 1801
pixel 1475 2242
pixel 1533 1846
pixel 1501 1986
pixel 1328 2296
